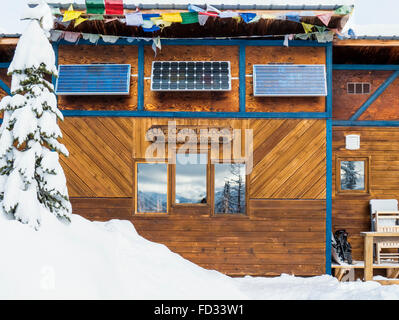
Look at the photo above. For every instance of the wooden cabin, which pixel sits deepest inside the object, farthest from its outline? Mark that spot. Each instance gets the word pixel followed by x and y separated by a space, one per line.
pixel 292 197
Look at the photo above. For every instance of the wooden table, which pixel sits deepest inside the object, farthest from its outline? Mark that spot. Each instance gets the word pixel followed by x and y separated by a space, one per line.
pixel 369 239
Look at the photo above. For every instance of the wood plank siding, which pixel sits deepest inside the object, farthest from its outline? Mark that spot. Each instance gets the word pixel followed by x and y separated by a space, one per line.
pixel 283 230
pixel 351 211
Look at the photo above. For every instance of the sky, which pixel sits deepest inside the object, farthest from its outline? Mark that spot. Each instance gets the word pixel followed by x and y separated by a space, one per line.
pixel 370 17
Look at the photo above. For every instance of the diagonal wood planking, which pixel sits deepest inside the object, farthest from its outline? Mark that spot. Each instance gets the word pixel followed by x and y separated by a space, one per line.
pixel 100 160
pixel 289 159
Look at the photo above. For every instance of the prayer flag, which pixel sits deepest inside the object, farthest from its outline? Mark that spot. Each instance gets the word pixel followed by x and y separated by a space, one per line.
pixel 71 36
pixel 307 27
pixel 189 17
pixel 193 8
pixel 325 17
pixel 172 17
pixel 95 6
pixel 114 7
pixel 71 14
pixel 134 19
pixel 293 16
pixel 343 10
pixel 247 16
pixel 79 20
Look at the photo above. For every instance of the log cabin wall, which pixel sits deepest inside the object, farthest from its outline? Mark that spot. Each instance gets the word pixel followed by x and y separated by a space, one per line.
pixel 346 104
pixel 283 230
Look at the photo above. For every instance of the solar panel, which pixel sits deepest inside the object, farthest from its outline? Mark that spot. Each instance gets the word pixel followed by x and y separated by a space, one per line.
pixel 289 80
pixel 190 76
pixel 93 79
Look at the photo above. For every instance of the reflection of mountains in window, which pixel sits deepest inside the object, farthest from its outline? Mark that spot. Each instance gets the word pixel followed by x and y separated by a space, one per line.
pixel 352 175
pixel 191 178
pixel 229 188
pixel 152 187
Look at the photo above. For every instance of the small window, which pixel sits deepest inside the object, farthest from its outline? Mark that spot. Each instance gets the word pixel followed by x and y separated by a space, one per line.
pixel 358 88
pixel 152 188
pixel 352 175
pixel 229 188
pixel 191 178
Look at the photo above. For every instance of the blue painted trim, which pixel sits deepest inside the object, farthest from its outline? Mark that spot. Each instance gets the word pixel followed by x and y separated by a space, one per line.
pixel 329 64
pixel 4 65
pixel 374 96
pixel 366 123
pixel 242 84
pixel 328 194
pixel 5 87
pixel 206 42
pixel 381 67
pixel 185 114
pixel 140 78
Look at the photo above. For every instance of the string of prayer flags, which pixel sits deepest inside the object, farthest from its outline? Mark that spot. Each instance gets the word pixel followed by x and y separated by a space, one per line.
pixel 325 17
pixel 343 10
pixel 71 14
pixel 321 29
pixel 189 17
pixel 114 7
pixel 134 19
pixel 307 27
pixel 95 6
pixel 302 36
pixel 247 16
pixel 172 17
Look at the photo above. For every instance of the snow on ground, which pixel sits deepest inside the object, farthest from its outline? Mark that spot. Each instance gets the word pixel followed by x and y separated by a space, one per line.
pixel 109 260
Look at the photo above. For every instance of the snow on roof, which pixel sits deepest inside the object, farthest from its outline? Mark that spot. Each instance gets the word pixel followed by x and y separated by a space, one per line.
pixel 278 4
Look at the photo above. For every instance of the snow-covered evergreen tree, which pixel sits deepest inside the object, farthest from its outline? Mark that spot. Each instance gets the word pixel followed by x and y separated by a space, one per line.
pixel 32 181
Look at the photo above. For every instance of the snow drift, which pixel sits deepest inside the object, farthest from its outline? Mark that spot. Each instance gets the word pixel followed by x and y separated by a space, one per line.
pixel 109 260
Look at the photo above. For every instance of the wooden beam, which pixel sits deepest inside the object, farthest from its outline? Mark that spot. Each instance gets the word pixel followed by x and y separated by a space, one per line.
pixel 9 41
pixel 365 43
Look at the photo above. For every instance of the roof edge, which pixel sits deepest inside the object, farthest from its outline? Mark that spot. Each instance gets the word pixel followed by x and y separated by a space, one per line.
pixel 217 6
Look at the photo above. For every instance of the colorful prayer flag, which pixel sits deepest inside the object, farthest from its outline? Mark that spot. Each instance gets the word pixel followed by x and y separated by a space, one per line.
pixel 343 10
pixel 79 20
pixel 247 16
pixel 96 17
pixel 325 17
pixel 202 19
pixel 95 6
pixel 134 19
pixel 71 14
pixel 228 14
pixel 114 7
pixel 189 17
pixel 307 27
pixel 172 17
pixel 293 16
pixel 71 36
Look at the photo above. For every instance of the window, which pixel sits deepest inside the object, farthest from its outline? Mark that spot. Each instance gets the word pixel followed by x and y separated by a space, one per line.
pixel 191 178
pixel 229 190
pixel 352 175
pixel 151 188
pixel 358 88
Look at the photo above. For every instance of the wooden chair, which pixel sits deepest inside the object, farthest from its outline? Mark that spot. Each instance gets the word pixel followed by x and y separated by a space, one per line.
pixel 385 218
